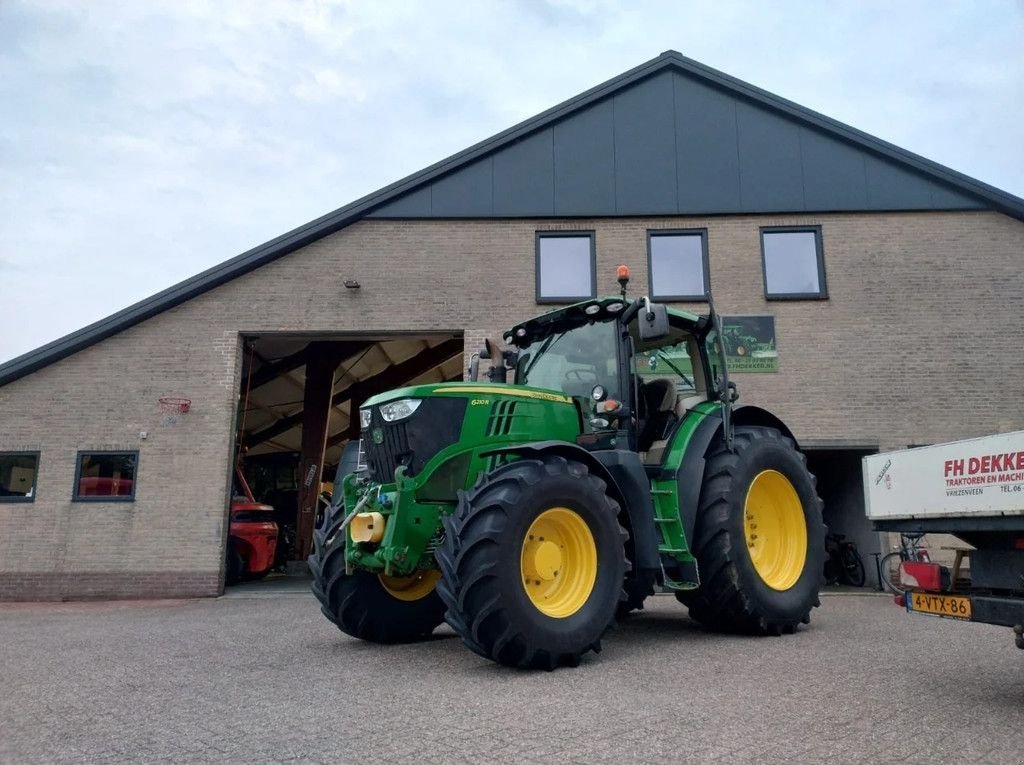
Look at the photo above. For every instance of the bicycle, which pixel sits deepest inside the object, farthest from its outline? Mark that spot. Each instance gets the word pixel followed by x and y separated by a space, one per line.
pixel 843 563
pixel 910 549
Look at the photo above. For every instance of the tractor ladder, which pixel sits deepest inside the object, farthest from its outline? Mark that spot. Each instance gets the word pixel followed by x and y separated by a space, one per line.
pixel 675 552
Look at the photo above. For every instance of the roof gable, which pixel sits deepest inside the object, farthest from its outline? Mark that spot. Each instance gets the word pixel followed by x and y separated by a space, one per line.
pixel 676 142
pixel 604 162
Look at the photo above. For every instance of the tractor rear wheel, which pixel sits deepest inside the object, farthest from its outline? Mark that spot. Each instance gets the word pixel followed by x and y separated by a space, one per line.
pixel 760 539
pixel 370 606
pixel 532 564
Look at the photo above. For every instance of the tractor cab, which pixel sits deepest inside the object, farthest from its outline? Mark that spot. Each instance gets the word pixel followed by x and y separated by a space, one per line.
pixel 634 369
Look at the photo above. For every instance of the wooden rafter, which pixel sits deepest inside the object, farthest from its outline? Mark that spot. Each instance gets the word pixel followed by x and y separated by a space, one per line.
pixel 358 391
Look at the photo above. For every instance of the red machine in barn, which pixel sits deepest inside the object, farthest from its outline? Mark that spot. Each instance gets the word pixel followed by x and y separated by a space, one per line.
pixel 252 535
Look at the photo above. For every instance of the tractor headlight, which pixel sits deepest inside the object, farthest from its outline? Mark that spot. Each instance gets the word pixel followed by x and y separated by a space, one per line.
pixel 399 410
pixel 364 418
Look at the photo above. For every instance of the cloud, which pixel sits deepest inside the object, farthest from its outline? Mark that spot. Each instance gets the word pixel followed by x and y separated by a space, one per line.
pixel 144 142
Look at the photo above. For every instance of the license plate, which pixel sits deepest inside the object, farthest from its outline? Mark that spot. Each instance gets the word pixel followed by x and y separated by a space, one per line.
pixel 952 606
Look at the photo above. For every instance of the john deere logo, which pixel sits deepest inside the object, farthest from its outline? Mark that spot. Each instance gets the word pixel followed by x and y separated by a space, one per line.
pixel 378 436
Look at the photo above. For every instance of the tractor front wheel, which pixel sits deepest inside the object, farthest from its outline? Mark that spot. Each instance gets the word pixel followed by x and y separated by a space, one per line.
pixel 532 564
pixel 760 539
pixel 368 606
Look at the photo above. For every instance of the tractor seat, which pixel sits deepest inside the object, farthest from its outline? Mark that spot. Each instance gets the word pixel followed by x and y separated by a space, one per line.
pixel 658 398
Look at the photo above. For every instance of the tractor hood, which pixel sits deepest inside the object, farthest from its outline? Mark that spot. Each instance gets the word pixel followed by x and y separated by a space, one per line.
pixel 468 390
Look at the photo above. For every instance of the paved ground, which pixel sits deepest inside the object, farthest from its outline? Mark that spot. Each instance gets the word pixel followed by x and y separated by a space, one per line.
pixel 262 678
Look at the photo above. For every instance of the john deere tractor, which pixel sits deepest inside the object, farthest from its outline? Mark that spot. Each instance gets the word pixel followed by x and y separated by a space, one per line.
pixel 604 457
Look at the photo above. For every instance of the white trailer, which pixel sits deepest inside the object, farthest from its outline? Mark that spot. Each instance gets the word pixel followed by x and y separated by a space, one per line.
pixel 980 477
pixel 973 489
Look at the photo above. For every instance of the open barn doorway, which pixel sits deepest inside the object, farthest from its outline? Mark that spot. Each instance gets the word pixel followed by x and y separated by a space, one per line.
pixel 298 407
pixel 841 488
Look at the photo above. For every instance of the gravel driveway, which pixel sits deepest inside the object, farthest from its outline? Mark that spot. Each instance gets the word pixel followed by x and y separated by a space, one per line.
pixel 264 677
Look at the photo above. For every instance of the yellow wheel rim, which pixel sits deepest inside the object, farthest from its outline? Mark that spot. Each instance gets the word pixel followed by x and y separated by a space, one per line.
pixel 410 588
pixel 558 562
pixel 775 529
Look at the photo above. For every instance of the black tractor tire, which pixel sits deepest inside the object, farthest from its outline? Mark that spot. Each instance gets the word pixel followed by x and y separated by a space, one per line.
pixel 481 564
pixel 732 596
pixel 234 563
pixel 357 603
pixel 637 589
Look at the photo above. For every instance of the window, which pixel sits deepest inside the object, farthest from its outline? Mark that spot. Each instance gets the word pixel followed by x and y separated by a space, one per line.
pixel 18 471
pixel 794 266
pixel 678 264
pixel 565 266
pixel 105 476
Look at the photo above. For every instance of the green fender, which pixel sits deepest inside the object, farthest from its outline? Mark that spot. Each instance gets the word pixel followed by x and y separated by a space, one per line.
pixel 691 470
pixel 627 483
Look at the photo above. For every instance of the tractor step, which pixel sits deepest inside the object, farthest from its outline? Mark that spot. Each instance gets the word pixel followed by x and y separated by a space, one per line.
pixel 680 576
pixel 669 584
pixel 666 516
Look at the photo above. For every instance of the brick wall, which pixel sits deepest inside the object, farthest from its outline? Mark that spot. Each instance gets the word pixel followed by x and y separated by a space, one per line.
pixel 916 344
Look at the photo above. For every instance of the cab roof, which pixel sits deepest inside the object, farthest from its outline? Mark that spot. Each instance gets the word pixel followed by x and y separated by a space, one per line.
pixel 578 314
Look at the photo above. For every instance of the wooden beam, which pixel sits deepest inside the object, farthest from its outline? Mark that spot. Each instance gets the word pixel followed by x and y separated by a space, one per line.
pixel 340 349
pixel 359 391
pixel 316 408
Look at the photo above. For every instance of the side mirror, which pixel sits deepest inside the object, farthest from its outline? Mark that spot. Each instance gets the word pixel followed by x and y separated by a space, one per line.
pixel 653 320
pixel 502 360
pixel 493 351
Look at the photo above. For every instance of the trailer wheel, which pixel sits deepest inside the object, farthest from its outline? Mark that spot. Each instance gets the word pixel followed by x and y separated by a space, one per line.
pixel 760 540
pixel 532 564
pixel 370 606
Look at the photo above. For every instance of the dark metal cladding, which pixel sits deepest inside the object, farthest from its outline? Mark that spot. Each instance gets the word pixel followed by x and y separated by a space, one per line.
pixel 436 424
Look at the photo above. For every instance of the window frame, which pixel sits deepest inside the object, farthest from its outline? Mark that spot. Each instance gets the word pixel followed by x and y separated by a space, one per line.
pixel 76 497
pixel 819 249
pixel 705 264
pixel 35 477
pixel 590 234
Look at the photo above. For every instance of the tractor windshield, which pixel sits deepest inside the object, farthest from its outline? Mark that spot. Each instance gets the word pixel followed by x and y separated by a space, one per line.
pixel 573 361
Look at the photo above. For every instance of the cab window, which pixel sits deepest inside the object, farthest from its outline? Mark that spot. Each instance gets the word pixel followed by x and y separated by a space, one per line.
pixel 574 362
pixel 670 381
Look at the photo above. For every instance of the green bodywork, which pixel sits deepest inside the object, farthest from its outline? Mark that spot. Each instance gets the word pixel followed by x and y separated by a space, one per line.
pixel 412 524
pixel 499 417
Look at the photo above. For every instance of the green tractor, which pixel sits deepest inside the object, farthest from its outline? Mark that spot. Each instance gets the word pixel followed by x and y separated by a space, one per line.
pixel 530 515
pixel 736 343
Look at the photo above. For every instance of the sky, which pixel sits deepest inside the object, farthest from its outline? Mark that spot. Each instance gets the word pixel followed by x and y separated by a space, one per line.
pixel 143 142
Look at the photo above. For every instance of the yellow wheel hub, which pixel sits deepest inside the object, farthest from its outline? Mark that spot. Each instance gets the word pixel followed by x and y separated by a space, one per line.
pixel 559 562
pixel 410 588
pixel 775 529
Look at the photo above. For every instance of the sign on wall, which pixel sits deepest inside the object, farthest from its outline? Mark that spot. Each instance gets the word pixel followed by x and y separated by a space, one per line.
pixel 750 343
